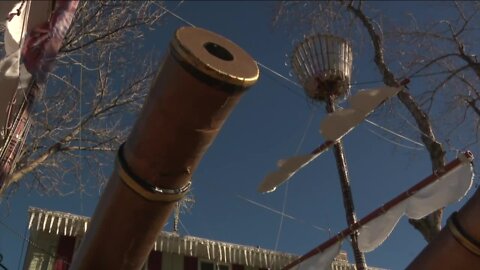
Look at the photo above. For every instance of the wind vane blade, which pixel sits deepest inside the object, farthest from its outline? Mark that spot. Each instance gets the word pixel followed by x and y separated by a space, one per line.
pixel 339 123
pixel 288 167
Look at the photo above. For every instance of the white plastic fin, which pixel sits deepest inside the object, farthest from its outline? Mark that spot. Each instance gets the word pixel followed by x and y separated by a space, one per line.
pixel 449 188
pixel 367 100
pixel 337 124
pixel 287 168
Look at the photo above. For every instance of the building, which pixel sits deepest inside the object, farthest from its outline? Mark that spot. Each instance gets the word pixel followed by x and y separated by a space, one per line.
pixel 54 237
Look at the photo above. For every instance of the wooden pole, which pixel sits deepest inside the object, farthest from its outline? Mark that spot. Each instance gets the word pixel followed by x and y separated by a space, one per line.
pixel 200 81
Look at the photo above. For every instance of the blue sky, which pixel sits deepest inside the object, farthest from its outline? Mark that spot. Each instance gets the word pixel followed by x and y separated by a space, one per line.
pixel 269 124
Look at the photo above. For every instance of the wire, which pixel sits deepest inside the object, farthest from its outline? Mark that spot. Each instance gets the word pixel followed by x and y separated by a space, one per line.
pixel 285 194
pixel 394 142
pixel 183 226
pixel 283 214
pixel 279 75
pixel 177 16
pixel 394 133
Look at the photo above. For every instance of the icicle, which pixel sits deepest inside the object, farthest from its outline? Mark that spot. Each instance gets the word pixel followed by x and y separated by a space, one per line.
pixel 225 259
pixel 245 253
pixel 65 226
pixel 45 222
pixel 85 226
pixel 185 246
pixel 213 251
pixel 250 256
pixel 155 246
pixel 220 255
pixel 177 244
pixel 51 224
pixel 208 251
pixel 72 224
pixel 39 220
pixel 59 222
pixel 32 216
pixel 191 247
pixel 195 248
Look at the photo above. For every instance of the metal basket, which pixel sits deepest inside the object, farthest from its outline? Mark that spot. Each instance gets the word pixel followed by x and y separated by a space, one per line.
pixel 323 65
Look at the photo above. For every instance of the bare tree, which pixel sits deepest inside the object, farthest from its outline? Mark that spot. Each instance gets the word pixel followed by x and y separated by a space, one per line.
pixel 101 78
pixel 437 54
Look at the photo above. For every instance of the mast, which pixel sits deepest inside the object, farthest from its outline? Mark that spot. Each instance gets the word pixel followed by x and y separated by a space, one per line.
pixel 323 64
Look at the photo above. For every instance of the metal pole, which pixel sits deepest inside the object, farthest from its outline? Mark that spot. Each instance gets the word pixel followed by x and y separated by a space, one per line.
pixel 199 83
pixel 346 192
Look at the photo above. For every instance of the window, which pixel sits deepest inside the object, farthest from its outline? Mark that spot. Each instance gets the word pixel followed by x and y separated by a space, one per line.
pixel 213 266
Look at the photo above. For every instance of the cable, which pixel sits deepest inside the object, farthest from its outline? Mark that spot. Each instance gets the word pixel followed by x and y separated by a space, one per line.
pixel 183 226
pixel 285 194
pixel 394 133
pixel 279 75
pixel 283 214
pixel 177 16
pixel 394 142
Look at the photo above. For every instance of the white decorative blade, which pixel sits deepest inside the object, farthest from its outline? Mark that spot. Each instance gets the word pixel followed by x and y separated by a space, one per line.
pixel 287 168
pixel 367 100
pixel 372 234
pixel 339 123
pixel 320 261
pixel 9 79
pixel 449 188
pixel 16 27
